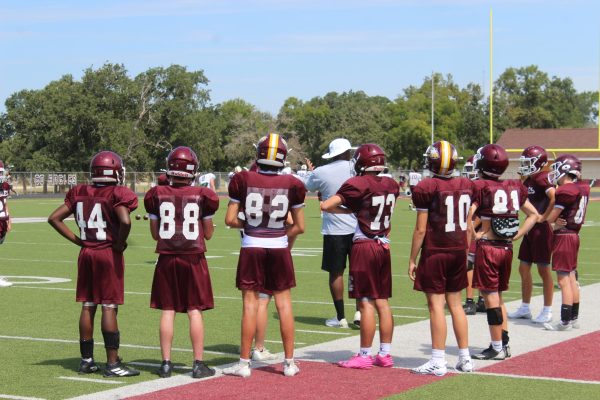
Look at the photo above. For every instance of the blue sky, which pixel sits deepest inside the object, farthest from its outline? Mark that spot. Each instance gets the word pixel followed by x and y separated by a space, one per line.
pixel 267 50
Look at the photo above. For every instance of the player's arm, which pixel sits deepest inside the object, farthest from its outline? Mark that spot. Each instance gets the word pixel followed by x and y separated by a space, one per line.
pixel 297 227
pixel 212 185
pixel 207 227
pixel 417 242
pixel 555 222
pixel 550 193
pixel 120 243
pixel 530 220
pixel 154 228
pixel 56 220
pixel 9 222
pixel 333 205
pixel 231 216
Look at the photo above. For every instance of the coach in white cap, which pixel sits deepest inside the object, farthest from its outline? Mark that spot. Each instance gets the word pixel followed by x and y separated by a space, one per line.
pixel 337 229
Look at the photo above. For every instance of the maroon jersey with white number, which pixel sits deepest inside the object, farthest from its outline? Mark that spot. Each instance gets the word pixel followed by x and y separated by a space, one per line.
pixel 180 210
pixel 499 199
pixel 94 208
pixel 447 202
pixel 537 186
pixel 371 198
pixel 573 199
pixel 265 199
pixel 4 193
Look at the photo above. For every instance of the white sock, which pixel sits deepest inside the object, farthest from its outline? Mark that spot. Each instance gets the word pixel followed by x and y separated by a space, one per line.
pixel 244 361
pixel 384 349
pixel 289 361
pixel 497 345
pixel 525 306
pixel 547 310
pixel 464 353
pixel 87 359
pixel 438 356
pixel 365 352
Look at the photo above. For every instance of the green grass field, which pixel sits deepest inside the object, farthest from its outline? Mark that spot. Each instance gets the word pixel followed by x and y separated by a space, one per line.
pixel 32 312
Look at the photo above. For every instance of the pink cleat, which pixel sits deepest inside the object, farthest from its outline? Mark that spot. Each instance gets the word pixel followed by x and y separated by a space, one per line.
pixel 357 362
pixel 385 362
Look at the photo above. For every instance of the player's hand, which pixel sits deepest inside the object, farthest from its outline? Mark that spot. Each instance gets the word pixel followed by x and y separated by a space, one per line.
pixel 561 222
pixel 309 164
pixel 412 270
pixel 541 219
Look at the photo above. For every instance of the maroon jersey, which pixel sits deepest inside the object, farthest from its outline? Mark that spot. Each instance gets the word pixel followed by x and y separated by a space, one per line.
pixel 265 199
pixel 499 199
pixel 573 199
pixel 537 186
pixel 4 193
pixel 371 198
pixel 94 208
pixel 180 210
pixel 447 202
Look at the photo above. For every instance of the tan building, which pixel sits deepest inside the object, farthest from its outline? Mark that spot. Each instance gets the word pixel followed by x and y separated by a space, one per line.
pixel 515 140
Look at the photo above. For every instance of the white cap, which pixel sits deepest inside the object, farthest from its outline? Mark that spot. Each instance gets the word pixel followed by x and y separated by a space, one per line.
pixel 237 169
pixel 337 147
pixel 303 167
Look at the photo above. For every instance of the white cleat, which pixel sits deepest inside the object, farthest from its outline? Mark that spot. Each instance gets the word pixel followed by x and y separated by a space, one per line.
pixel 290 369
pixel 356 319
pixel 543 318
pixel 521 312
pixel 335 323
pixel 239 369
pixel 4 282
pixel 558 326
pixel 575 324
pixel 262 355
pixel 431 368
pixel 464 364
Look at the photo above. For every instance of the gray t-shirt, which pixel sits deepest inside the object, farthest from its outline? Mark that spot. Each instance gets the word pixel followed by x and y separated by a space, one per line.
pixel 327 180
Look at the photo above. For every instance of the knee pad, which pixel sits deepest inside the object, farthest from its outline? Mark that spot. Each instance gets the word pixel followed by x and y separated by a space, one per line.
pixel 494 316
pixel 112 340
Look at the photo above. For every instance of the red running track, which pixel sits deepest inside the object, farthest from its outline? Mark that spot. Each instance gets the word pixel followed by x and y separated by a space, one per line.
pixel 316 380
pixel 572 359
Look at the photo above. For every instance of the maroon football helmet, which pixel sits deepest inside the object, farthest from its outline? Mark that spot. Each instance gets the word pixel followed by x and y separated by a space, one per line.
pixel 563 165
pixel 271 150
pixel 163 180
pixel 532 160
pixel 107 167
pixel 369 157
pixel 182 163
pixel 440 158
pixel 491 160
pixel 468 170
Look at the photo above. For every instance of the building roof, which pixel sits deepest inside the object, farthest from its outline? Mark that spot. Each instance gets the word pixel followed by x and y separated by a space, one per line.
pixel 515 140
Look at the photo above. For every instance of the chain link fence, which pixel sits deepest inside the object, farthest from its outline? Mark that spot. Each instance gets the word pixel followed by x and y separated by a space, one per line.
pixel 48 183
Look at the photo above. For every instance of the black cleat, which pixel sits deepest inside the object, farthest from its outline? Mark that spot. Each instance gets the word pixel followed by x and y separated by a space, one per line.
pixel 201 370
pixel 480 305
pixel 165 369
pixel 491 354
pixel 118 370
pixel 87 367
pixel 470 308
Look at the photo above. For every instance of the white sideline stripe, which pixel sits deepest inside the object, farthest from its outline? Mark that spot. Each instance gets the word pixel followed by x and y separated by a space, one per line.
pixel 410 316
pixel 323 332
pixel 280 342
pixel 109 382
pixel 145 364
pixel 225 298
pixel 133 346
pixel 537 378
pixel 10 396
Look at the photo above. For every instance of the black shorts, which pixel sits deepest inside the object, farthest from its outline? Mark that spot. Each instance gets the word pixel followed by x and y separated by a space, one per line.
pixel 336 250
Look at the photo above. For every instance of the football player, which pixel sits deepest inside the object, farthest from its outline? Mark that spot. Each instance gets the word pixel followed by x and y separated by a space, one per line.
pixel 208 181
pixel 441 236
pixel 470 307
pixel 571 205
pixel 497 203
pixel 102 214
pixel 536 246
pixel 180 221
pixel 265 197
pixel 5 222
pixel 371 198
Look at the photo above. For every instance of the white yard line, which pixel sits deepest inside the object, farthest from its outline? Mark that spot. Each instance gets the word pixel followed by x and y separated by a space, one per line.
pixel 106 381
pixel 409 316
pixel 12 397
pixel 323 332
pixel 133 346
pixel 145 364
